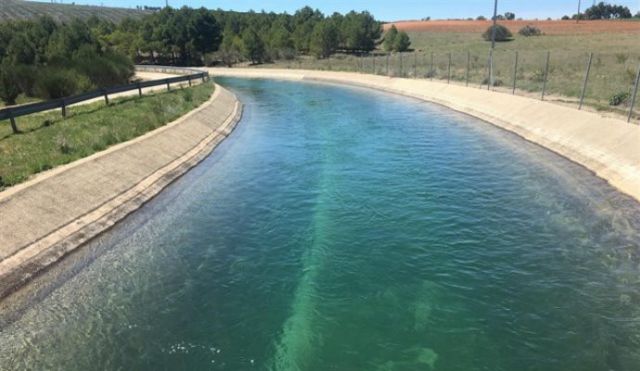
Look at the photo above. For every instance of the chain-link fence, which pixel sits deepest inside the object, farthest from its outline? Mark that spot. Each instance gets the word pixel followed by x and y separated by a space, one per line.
pixel 604 82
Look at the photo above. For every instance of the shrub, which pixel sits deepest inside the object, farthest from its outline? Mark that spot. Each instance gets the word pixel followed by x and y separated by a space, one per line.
pixel 566 18
pixel 619 98
pixel 496 82
pixel 57 83
pixel 530 30
pixel 9 83
pixel 502 33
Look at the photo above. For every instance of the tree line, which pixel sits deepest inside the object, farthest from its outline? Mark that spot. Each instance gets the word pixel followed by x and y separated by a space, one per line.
pixel 44 59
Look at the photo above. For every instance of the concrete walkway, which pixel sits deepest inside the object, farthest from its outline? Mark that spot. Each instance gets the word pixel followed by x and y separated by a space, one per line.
pixel 57 211
pixel 610 147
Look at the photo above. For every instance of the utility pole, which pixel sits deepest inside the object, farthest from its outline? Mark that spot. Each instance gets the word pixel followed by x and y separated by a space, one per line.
pixel 493 40
pixel 578 16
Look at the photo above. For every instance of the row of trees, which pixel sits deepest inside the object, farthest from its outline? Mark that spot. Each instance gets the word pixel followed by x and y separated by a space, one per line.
pixel 603 10
pixel 45 59
pixel 190 36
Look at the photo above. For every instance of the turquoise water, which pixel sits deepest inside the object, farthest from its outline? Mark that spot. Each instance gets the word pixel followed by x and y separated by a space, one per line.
pixel 342 229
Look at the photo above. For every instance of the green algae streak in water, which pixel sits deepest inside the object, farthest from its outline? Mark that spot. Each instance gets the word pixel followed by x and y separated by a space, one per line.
pixel 344 229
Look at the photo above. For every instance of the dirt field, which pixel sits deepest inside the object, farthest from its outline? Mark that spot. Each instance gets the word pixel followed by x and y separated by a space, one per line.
pixel 548 27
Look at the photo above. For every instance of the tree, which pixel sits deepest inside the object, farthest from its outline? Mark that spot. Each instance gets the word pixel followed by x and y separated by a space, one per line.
pixel 9 84
pixel 253 46
pixel 401 42
pixel 502 33
pixel 481 18
pixel 603 10
pixel 324 39
pixel 359 31
pixel 390 38
pixel 509 16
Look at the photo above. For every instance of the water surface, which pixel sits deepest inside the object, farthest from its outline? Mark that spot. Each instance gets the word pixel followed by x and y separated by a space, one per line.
pixel 343 229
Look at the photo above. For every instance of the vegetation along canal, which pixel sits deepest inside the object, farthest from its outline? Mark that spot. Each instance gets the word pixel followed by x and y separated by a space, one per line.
pixel 344 229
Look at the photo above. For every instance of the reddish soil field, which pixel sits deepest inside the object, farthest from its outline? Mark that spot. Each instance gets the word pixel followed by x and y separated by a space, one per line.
pixel 548 27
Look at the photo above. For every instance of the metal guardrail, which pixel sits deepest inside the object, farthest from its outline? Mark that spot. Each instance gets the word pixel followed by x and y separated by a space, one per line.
pixel 11 113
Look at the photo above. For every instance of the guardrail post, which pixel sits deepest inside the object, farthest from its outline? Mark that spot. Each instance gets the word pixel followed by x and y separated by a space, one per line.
pixel 635 94
pixel 189 78
pixel 375 72
pixel 586 79
pixel 468 68
pixel 415 64
pixel 12 120
pixel 204 76
pixel 139 90
pixel 401 74
pixel 546 75
pixel 106 97
pixel 449 70
pixel 515 73
pixel 168 85
pixel 64 108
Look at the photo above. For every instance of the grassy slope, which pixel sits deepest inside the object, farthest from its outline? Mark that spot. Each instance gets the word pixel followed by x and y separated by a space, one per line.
pixel 20 9
pixel 615 63
pixel 48 140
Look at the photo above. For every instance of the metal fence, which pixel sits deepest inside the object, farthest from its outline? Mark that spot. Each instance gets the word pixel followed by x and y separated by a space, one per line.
pixel 11 113
pixel 602 81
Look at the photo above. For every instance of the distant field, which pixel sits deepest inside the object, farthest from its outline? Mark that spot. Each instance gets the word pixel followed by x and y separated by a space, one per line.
pixel 549 27
pixel 615 44
pixel 19 9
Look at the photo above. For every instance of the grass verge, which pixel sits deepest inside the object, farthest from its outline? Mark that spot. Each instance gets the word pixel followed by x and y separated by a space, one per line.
pixel 47 140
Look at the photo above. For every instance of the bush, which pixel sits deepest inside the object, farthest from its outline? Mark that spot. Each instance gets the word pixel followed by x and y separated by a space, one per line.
pixel 9 84
pixel 59 83
pixel 619 98
pixel 502 33
pixel 530 30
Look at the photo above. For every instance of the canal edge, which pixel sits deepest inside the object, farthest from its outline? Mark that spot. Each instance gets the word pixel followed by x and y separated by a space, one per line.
pixel 35 258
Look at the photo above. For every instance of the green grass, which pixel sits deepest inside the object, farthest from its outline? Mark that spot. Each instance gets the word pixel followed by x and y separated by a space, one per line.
pixel 615 63
pixel 47 140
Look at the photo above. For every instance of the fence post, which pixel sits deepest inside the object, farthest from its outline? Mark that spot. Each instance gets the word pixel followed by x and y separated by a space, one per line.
pixel 586 79
pixel 489 69
pixel 64 108
pixel 515 73
pixel 12 120
pixel 468 67
pixel 388 54
pixel 546 75
pixel 401 74
pixel 431 73
pixel 449 70
pixel 415 64
pixel 373 67
pixel 635 94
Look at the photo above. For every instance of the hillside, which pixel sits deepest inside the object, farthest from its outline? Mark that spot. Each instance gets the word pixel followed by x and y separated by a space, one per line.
pixel 20 9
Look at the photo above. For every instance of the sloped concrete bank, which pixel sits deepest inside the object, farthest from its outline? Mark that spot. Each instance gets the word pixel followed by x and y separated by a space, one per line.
pixel 56 212
pixel 607 146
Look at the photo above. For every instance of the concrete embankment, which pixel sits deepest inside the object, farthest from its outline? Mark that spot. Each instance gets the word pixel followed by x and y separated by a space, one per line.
pixel 610 147
pixel 56 212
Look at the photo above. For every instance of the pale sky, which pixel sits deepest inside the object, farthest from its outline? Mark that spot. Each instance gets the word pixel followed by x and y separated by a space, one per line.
pixel 385 9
